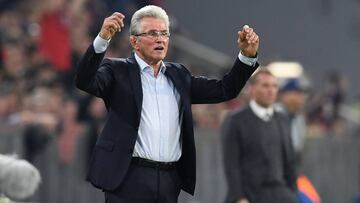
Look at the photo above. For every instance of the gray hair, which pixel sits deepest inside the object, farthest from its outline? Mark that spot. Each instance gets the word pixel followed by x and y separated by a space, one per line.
pixel 147 11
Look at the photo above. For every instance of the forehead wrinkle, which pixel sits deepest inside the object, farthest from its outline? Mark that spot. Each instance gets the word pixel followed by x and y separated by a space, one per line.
pixel 154 23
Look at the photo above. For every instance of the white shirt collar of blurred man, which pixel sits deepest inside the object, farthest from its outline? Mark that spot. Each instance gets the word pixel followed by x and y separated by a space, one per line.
pixel 262 112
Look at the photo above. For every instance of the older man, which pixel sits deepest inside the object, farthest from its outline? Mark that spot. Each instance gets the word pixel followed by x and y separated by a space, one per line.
pixel 146 151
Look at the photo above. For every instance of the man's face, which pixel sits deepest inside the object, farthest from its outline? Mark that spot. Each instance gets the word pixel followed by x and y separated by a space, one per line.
pixel 293 100
pixel 264 90
pixel 151 49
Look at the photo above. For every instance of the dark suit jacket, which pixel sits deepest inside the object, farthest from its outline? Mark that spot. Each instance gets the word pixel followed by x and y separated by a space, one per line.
pixel 245 154
pixel 117 81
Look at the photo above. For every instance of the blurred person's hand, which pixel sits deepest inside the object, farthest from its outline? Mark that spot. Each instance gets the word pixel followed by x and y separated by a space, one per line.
pixel 248 41
pixel 47 120
pixel 26 116
pixel 111 25
pixel 243 200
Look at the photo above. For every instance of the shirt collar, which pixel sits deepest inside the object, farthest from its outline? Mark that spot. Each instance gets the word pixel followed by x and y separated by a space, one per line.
pixel 143 64
pixel 263 113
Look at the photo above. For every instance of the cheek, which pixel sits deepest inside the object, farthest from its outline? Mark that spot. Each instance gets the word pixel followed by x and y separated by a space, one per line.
pixel 143 44
pixel 275 92
pixel 272 90
pixel 136 46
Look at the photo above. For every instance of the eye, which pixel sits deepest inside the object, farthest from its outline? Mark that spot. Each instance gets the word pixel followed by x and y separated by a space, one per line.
pixel 153 33
pixel 164 34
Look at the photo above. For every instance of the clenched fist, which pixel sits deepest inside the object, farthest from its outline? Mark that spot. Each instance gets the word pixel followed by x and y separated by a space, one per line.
pixel 248 41
pixel 111 25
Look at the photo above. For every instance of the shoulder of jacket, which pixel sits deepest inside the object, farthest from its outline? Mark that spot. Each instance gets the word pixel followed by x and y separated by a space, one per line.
pixel 240 113
pixel 115 63
pixel 281 115
pixel 177 66
pixel 116 60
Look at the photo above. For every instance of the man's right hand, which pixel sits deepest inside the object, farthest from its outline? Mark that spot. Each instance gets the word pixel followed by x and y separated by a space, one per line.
pixel 243 200
pixel 111 25
pixel 248 41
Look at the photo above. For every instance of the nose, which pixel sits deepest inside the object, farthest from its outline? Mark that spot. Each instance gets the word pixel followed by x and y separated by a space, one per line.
pixel 160 39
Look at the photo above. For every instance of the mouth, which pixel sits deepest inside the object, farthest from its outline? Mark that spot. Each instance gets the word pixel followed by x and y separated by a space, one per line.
pixel 159 48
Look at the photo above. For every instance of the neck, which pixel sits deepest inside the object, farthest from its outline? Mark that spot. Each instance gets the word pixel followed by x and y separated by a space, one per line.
pixel 263 105
pixel 156 67
pixel 155 64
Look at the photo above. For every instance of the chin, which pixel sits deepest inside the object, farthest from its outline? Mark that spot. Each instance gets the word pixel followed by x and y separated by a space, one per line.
pixel 160 55
pixel 159 58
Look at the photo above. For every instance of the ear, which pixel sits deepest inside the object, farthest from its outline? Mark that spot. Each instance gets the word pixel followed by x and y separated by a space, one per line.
pixel 133 42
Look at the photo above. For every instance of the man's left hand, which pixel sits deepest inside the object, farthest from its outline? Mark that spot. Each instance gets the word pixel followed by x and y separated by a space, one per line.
pixel 248 41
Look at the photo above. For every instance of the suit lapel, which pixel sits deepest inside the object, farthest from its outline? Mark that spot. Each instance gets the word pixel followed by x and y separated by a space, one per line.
pixel 172 73
pixel 135 80
pixel 259 132
pixel 263 137
pixel 285 137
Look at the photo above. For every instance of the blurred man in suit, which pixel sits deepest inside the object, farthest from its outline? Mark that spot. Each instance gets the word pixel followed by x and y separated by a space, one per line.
pixel 291 103
pixel 146 151
pixel 258 153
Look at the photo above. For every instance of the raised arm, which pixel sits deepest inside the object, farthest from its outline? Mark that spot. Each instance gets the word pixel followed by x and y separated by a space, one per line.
pixel 204 90
pixel 95 75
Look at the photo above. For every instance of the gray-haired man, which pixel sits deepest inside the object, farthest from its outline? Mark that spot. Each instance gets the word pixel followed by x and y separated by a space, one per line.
pixel 146 151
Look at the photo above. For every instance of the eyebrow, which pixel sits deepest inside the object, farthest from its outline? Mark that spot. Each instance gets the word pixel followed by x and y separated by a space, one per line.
pixel 154 30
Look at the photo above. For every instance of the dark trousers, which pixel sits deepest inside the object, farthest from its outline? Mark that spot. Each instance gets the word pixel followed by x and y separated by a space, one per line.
pixel 276 194
pixel 147 185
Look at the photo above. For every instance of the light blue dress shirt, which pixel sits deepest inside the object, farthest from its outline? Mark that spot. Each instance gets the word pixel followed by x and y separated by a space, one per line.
pixel 159 130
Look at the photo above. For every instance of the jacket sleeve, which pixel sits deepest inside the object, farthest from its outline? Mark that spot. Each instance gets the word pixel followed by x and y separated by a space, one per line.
pixel 231 146
pixel 205 90
pixel 94 75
